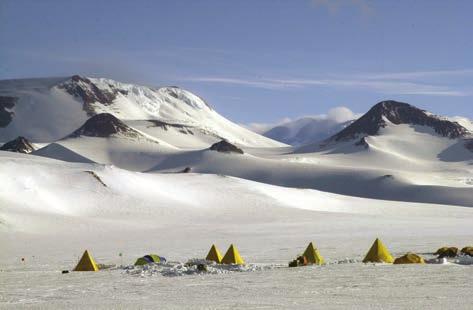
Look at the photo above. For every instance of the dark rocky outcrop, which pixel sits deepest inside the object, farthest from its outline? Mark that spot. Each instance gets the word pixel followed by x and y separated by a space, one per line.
pixel 6 103
pixel 186 170
pixel 225 147
pixel 187 130
pixel 19 145
pixel 85 89
pixel 104 125
pixel 398 113
pixel 95 176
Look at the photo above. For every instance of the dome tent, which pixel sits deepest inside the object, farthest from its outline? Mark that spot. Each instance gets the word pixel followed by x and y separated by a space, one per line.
pixel 148 259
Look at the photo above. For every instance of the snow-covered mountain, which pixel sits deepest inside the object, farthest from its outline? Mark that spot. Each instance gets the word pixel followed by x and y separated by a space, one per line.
pixel 389 114
pixel 105 139
pixel 45 110
pixel 305 130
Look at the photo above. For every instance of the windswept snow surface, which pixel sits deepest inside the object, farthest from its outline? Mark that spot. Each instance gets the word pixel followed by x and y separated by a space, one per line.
pixel 53 210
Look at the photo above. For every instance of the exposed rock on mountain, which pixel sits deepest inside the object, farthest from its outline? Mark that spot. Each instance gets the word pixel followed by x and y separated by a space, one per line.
pixel 85 89
pixel 187 130
pixel 105 125
pixel 226 147
pixel 19 145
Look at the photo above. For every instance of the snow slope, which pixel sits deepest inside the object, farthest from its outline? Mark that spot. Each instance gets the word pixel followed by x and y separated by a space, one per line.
pixel 45 110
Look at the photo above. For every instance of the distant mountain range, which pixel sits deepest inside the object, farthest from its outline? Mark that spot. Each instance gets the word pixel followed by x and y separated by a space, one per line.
pixel 394 151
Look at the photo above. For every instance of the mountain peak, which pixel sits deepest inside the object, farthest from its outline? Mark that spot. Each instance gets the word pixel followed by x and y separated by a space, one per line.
pixel 399 113
pixel 104 125
pixel 18 145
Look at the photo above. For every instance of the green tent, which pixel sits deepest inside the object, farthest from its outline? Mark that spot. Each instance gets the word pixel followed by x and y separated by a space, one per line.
pixel 148 259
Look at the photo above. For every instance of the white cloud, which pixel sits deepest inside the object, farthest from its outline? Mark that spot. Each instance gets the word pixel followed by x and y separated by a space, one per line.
pixel 336 115
pixel 341 114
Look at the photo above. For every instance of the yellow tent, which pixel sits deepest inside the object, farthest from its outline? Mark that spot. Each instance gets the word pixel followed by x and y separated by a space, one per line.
pixel 312 255
pixel 409 258
pixel 232 256
pixel 378 253
pixel 86 263
pixel 214 255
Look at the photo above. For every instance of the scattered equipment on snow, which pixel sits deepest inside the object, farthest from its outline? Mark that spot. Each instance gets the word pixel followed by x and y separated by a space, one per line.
pixel 232 256
pixel 299 261
pixel 378 253
pixel 447 252
pixel 410 258
pixel 214 255
pixel 86 263
pixel 468 250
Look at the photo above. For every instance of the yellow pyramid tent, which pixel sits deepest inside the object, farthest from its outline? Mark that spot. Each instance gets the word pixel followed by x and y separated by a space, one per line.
pixel 410 258
pixel 86 263
pixel 214 255
pixel 378 253
pixel 313 256
pixel 232 256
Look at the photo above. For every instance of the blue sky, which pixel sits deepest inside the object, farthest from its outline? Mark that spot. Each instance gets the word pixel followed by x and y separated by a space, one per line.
pixel 255 61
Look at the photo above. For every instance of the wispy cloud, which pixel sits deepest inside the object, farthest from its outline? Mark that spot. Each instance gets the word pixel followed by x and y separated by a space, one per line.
pixel 381 86
pixel 418 74
pixel 262 83
pixel 399 83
